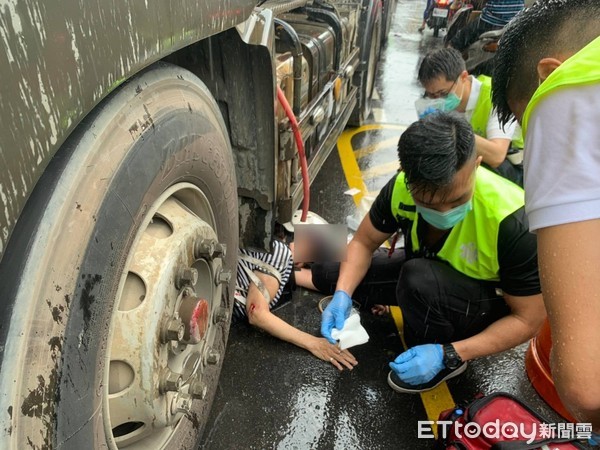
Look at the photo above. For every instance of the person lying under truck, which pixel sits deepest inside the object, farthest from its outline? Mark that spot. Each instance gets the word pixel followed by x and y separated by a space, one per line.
pixel 447 83
pixel 469 284
pixel 260 281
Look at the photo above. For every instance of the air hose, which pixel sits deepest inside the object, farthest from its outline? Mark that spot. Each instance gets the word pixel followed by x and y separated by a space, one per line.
pixel 301 154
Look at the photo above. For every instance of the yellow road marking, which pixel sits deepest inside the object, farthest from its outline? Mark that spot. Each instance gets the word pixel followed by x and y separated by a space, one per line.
pixel 380 170
pixel 349 165
pixel 435 400
pixel 391 142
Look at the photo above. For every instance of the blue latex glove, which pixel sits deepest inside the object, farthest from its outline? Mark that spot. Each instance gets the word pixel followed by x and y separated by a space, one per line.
pixel 419 364
pixel 335 314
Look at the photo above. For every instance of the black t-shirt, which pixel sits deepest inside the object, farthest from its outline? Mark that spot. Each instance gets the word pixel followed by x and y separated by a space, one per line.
pixel 517 247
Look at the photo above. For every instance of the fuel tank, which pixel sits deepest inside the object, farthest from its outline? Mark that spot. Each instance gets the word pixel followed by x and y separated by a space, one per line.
pixel 319 48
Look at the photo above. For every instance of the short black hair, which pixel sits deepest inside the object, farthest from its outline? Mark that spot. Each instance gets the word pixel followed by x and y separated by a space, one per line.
pixel 447 62
pixel 433 149
pixel 546 29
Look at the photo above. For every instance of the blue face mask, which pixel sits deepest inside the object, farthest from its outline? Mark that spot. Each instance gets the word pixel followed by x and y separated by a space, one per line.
pixel 448 219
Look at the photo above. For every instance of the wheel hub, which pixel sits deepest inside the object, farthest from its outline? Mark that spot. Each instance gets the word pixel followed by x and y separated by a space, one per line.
pixel 163 331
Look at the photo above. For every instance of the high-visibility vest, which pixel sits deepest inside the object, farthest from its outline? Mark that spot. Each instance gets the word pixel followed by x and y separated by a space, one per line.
pixel 581 69
pixel 472 245
pixel 483 109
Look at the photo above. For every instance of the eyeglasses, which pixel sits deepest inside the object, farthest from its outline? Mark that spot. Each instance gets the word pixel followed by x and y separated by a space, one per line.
pixel 441 93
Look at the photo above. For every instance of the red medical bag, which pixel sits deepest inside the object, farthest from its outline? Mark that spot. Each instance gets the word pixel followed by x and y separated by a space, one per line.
pixel 500 421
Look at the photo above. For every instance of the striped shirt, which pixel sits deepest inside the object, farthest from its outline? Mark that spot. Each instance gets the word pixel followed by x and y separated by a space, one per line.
pixel 280 258
pixel 500 12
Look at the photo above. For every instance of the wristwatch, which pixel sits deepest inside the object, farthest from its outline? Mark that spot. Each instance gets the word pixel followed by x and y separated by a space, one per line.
pixel 452 360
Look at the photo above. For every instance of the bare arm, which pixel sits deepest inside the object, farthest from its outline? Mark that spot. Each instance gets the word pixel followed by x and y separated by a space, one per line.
pixel 358 257
pixel 493 151
pixel 569 258
pixel 260 316
pixel 526 317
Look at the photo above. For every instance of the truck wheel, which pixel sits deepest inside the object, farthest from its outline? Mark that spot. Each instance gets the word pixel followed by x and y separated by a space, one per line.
pixel 364 80
pixel 389 7
pixel 122 275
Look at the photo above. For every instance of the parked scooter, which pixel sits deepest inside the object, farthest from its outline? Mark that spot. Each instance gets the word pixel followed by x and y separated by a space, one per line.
pixel 480 55
pixel 461 17
pixel 438 16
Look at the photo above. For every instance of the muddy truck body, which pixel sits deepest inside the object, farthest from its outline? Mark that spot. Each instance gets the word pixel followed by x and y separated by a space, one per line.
pixel 141 144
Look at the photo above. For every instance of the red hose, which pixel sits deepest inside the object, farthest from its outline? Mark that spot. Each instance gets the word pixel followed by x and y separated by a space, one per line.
pixel 300 144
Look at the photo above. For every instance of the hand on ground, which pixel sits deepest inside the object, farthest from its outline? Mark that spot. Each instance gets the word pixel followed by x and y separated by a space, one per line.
pixel 322 349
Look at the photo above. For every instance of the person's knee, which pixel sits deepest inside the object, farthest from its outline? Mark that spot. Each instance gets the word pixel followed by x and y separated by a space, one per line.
pixel 415 282
pixel 324 276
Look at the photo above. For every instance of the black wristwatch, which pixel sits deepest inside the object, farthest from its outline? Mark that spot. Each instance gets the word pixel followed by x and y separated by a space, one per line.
pixel 452 360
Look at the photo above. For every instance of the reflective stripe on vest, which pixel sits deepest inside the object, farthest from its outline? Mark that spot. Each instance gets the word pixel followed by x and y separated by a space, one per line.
pixel 581 69
pixel 483 109
pixel 472 245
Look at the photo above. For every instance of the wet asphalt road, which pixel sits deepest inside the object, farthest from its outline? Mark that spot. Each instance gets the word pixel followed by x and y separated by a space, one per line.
pixel 273 395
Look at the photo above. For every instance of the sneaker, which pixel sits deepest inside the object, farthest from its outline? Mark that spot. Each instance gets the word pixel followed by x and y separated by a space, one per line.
pixel 445 374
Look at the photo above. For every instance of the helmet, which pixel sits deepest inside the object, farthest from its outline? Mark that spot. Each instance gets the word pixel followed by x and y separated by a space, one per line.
pixel 311 218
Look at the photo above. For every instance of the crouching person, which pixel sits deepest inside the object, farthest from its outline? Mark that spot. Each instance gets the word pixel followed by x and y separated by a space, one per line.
pixel 260 281
pixel 469 284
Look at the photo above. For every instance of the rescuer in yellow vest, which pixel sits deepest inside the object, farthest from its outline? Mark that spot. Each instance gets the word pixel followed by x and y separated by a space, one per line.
pixel 548 76
pixel 448 86
pixel 468 285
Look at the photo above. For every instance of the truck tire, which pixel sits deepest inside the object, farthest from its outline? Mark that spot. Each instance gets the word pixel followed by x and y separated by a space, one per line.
pixel 364 78
pixel 389 7
pixel 119 276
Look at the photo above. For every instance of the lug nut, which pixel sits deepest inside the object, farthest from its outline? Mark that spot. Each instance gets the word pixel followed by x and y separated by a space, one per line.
pixel 220 250
pixel 171 382
pixel 213 357
pixel 173 331
pixel 183 404
pixel 205 248
pixel 187 277
pixel 221 315
pixel 222 276
pixel 198 390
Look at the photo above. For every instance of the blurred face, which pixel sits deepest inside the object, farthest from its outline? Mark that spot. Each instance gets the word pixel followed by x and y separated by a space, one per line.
pixel 458 193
